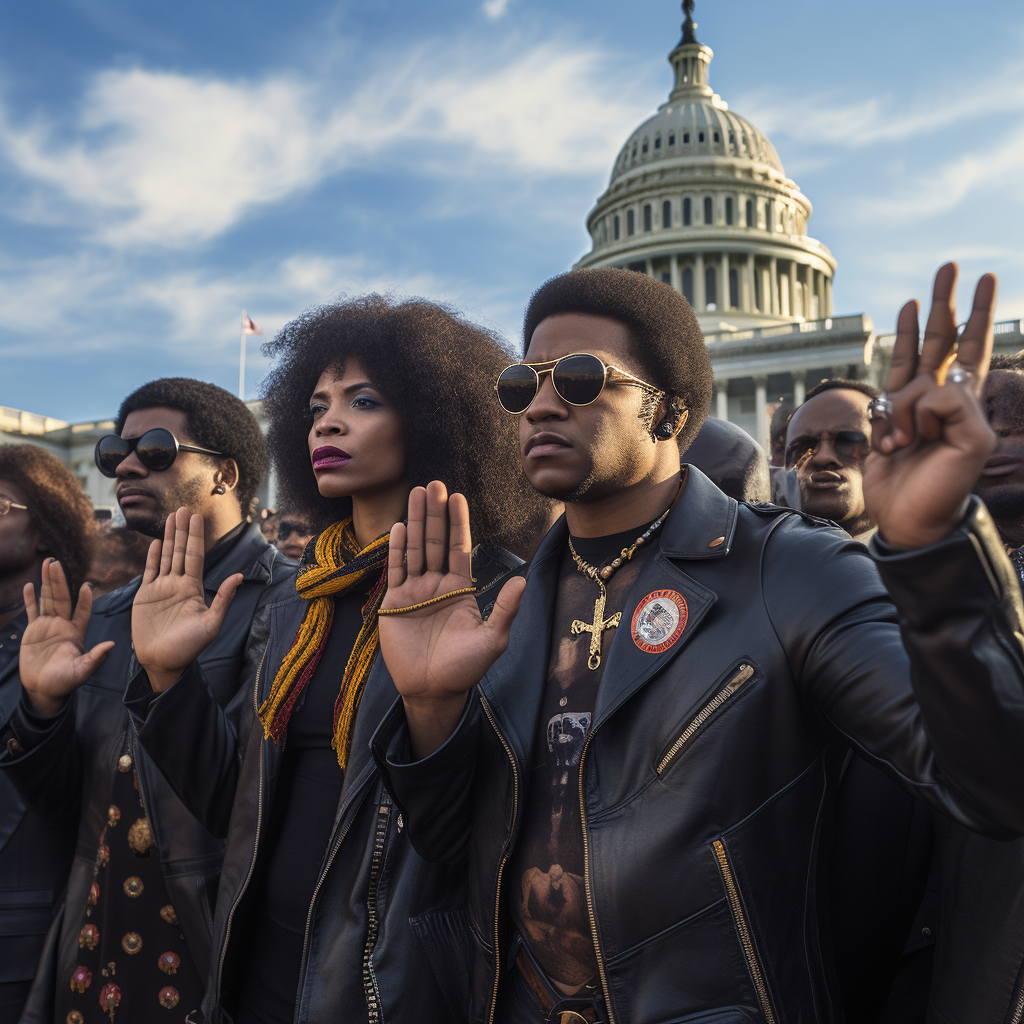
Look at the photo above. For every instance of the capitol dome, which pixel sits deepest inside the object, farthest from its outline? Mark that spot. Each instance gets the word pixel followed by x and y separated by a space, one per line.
pixel 698 198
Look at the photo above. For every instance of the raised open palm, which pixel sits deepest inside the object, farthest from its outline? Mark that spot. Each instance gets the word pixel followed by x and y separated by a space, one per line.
pixel 929 453
pixel 437 654
pixel 53 661
pixel 171 624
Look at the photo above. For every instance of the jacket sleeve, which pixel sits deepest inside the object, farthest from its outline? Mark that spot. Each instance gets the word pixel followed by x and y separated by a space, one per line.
pixel 198 745
pixel 915 657
pixel 43 759
pixel 434 794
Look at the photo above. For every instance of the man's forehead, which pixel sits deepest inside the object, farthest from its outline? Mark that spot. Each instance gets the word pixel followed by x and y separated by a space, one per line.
pixel 835 409
pixel 138 421
pixel 559 335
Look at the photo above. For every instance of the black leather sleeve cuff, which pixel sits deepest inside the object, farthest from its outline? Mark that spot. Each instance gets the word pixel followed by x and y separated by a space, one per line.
pixel 140 697
pixel 28 730
pixel 433 793
pixel 969 563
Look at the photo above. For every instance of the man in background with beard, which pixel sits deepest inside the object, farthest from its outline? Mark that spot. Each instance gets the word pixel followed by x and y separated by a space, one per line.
pixel 145 871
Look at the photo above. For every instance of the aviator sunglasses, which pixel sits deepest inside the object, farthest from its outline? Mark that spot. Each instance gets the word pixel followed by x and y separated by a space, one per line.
pixel 849 445
pixel 157 449
pixel 6 504
pixel 578 379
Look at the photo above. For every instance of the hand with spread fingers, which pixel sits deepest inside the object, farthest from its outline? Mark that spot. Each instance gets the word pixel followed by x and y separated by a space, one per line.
pixel 929 435
pixel 437 647
pixel 53 661
pixel 171 624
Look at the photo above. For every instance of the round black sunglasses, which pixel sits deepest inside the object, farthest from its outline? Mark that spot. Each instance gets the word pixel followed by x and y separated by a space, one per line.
pixel 578 379
pixel 157 449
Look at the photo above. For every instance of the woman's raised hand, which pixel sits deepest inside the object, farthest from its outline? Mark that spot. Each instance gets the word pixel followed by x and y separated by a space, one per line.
pixel 438 653
pixel 929 452
pixel 171 624
pixel 53 661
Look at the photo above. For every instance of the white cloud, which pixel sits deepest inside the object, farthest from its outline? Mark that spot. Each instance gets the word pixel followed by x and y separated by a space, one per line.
pixel 495 8
pixel 166 159
pixel 829 120
pixel 943 188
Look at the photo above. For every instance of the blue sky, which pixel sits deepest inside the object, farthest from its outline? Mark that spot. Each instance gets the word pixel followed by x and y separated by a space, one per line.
pixel 165 166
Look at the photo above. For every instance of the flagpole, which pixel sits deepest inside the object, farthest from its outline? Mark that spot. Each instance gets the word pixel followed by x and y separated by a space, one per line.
pixel 241 360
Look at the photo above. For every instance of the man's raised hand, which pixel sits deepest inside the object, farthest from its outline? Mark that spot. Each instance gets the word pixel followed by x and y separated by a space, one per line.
pixel 437 654
pixel 53 661
pixel 928 454
pixel 171 624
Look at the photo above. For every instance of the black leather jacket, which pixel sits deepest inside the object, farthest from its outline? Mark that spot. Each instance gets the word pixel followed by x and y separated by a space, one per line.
pixel 707 777
pixel 69 766
pixel 34 853
pixel 386 937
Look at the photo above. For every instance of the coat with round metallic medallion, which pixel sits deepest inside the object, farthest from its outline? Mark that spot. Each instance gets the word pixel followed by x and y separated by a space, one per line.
pixel 69 766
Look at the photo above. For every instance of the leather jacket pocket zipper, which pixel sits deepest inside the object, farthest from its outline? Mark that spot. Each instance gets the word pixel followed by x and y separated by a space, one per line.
pixel 749 953
pixel 741 676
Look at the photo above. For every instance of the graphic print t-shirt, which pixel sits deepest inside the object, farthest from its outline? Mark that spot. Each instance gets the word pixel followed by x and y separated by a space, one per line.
pixel 547 895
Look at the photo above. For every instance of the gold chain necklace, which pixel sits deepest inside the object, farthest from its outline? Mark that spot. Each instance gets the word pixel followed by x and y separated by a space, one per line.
pixel 600 577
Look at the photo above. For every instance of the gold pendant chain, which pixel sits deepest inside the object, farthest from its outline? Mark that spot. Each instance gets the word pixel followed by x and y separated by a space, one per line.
pixel 600 577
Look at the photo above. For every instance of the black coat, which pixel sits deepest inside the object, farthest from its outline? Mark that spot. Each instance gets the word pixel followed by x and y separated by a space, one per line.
pixel 35 853
pixel 386 937
pixel 707 778
pixel 69 767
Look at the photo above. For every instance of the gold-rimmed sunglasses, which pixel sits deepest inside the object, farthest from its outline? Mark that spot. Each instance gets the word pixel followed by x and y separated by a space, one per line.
pixel 578 379
pixel 6 505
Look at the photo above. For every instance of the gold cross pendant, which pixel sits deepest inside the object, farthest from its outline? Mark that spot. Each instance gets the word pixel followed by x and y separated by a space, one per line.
pixel 596 628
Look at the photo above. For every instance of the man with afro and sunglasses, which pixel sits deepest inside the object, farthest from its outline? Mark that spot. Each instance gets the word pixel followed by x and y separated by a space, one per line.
pixel 638 767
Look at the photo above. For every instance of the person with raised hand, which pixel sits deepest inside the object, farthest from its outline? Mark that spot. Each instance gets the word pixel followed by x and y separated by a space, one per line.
pixel 44 515
pixel 642 781
pixel 133 937
pixel 324 911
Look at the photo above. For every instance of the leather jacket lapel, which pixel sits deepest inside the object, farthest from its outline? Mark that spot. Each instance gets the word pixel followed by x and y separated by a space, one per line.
pixel 515 682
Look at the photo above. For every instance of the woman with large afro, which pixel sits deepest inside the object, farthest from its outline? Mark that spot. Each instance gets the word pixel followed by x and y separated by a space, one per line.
pixel 325 912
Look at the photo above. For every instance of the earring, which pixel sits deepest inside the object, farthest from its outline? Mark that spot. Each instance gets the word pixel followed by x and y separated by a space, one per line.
pixel 219 489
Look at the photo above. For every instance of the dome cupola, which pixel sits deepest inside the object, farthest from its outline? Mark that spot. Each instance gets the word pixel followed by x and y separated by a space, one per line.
pixel 698 197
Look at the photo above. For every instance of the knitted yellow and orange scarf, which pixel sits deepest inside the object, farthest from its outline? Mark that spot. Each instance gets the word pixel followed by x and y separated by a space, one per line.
pixel 338 565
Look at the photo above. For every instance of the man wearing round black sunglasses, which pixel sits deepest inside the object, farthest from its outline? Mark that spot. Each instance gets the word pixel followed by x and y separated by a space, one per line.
pixel 639 769
pixel 146 871
pixel 827 441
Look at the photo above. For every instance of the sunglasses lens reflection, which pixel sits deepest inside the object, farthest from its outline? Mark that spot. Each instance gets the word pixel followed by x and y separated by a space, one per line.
pixel 517 388
pixel 156 449
pixel 579 379
pixel 111 451
pixel 852 444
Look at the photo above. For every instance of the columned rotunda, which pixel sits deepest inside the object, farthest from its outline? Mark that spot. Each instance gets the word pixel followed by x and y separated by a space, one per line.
pixel 699 199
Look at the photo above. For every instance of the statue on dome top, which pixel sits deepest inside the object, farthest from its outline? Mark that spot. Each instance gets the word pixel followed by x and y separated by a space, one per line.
pixel 689 25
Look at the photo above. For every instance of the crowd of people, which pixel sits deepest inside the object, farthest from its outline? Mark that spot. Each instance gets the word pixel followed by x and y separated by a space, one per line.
pixel 528 703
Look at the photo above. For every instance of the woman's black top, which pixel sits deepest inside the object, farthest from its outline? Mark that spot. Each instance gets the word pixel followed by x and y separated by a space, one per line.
pixel 301 823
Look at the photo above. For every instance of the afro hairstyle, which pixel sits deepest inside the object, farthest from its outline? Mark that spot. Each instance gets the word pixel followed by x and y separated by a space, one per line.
pixel 1012 361
pixel 845 384
pixel 215 419
pixel 438 370
pixel 57 506
pixel 667 343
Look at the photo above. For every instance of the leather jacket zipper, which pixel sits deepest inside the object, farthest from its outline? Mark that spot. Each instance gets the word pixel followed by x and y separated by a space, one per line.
pixel 742 675
pixel 256 839
pixel 732 891
pixel 372 992
pixel 586 887
pixel 1018 1009
pixel 504 854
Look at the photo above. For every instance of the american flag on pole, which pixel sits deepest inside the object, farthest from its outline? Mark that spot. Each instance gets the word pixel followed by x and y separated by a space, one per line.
pixel 249 325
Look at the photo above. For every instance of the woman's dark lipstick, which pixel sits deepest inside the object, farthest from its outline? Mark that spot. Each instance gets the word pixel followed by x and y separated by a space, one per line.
pixel 329 457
